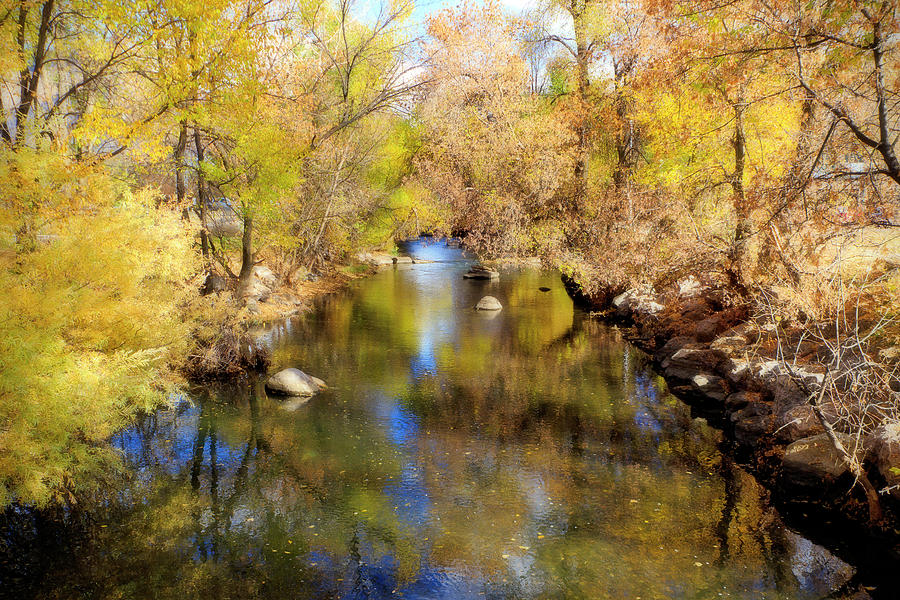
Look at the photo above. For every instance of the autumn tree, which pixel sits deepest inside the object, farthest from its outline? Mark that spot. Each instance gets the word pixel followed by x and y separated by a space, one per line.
pixel 92 332
pixel 354 79
pixel 494 154
pixel 41 43
pixel 581 46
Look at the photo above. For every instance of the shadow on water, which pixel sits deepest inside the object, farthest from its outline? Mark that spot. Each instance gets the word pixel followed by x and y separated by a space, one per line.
pixel 528 453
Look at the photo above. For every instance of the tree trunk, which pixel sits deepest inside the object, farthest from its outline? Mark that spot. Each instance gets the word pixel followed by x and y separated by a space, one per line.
pixel 741 210
pixel 178 155
pixel 583 121
pixel 246 252
pixel 30 78
pixel 886 139
pixel 201 194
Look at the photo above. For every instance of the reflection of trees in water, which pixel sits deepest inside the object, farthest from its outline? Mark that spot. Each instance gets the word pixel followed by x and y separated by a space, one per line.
pixel 197 547
pixel 586 389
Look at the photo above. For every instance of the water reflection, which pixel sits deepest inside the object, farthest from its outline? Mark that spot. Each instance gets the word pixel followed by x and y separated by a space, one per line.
pixel 531 455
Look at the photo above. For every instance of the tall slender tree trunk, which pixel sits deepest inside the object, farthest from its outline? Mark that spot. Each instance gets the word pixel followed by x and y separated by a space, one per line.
pixel 24 74
pixel 246 252
pixel 741 210
pixel 201 194
pixel 625 142
pixel 178 157
pixel 583 121
pixel 29 78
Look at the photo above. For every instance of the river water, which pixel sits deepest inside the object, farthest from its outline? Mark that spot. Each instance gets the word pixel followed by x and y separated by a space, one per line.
pixel 529 453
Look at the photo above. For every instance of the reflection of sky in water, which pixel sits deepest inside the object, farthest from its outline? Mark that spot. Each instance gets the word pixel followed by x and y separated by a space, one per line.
pixel 424 363
pixel 144 450
pixel 147 451
pixel 409 494
pixel 434 249
pixel 413 506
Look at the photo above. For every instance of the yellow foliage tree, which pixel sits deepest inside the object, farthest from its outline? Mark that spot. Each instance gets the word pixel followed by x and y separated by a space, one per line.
pixel 94 280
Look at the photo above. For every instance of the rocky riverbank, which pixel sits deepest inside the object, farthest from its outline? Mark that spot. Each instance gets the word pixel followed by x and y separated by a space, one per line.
pixel 763 391
pixel 226 346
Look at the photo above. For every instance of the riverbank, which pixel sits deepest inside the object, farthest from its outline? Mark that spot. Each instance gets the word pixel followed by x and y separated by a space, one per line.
pixel 284 300
pixel 772 391
pixel 225 345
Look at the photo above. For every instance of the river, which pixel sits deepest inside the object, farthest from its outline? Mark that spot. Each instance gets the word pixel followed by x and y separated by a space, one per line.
pixel 529 453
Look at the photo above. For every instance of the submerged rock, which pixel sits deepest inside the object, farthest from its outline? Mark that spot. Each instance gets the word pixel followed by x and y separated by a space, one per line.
pixel 294 403
pixel 488 303
pixel 479 272
pixel 294 382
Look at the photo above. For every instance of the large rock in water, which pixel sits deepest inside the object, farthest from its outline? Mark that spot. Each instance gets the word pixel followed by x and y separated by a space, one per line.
pixel 488 303
pixel 294 382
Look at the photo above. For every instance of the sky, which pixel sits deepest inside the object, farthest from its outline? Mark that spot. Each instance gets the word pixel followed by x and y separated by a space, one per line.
pixel 427 8
pixel 424 9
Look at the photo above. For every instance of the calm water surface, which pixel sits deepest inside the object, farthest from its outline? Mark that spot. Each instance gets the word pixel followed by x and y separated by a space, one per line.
pixel 523 454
